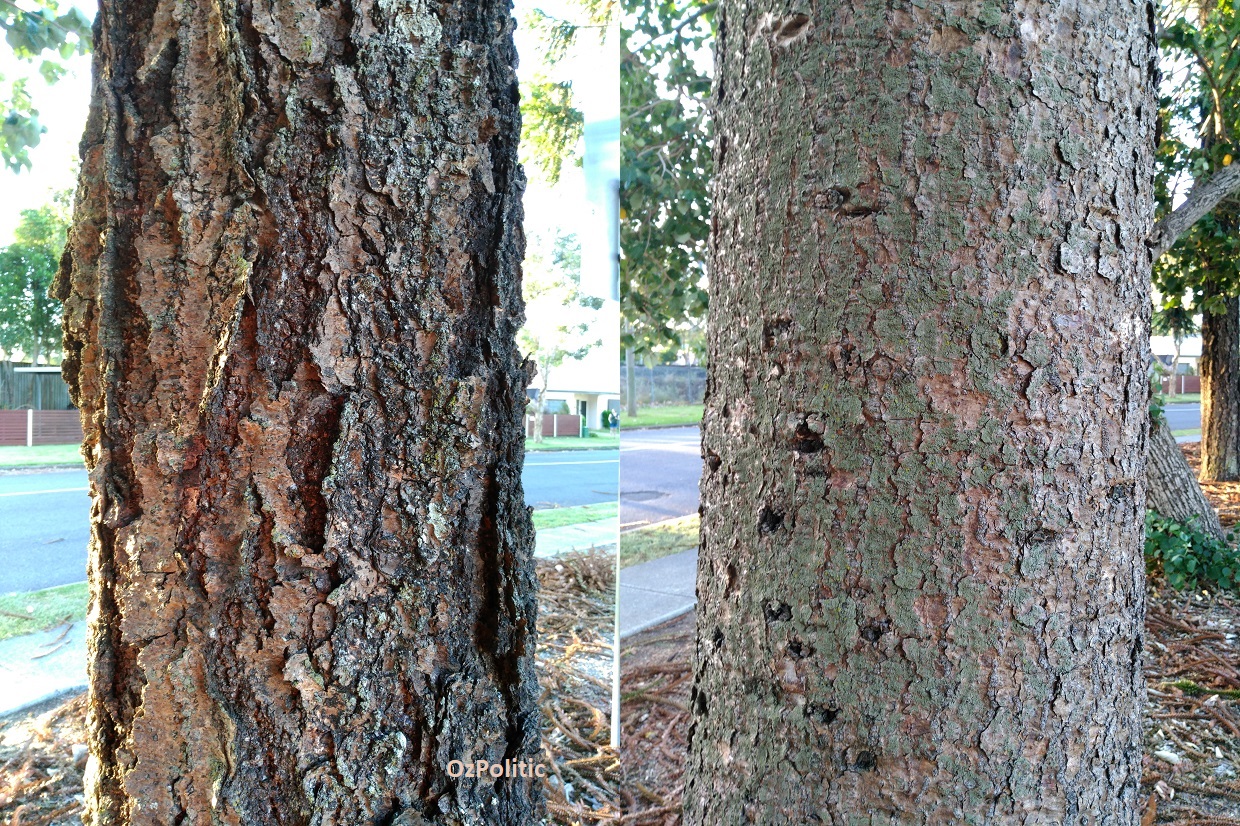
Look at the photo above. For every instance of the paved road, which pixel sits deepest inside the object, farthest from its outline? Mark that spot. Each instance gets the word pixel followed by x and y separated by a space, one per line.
pixel 659 472
pixel 44 516
pixel 1183 416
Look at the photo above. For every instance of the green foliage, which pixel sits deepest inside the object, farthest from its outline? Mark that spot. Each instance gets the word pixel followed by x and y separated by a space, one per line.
pixel 1187 557
pixel 552 124
pixel 1199 114
pixel 29 317
pixel 559 318
pixel 665 166
pixel 42 34
pixel 1158 399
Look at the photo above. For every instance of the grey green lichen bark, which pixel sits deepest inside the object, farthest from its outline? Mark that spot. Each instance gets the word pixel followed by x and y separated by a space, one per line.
pixel 291 297
pixel 920 583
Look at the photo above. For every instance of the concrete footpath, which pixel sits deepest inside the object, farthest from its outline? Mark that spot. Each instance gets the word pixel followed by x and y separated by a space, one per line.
pixel 657 591
pixel 38 667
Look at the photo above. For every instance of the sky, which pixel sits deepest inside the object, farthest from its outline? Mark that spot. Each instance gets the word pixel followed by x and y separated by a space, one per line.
pixel 593 69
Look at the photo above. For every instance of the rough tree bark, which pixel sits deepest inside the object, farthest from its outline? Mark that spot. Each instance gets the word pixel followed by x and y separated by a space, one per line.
pixel 1220 393
pixel 291 294
pixel 1172 490
pixel 921 582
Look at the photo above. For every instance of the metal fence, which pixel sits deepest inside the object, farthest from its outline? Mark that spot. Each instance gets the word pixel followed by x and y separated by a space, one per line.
pixel 665 384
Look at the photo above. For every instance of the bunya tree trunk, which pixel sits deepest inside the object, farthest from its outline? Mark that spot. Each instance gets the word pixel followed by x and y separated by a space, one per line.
pixel 920 581
pixel 1171 489
pixel 291 293
pixel 1220 393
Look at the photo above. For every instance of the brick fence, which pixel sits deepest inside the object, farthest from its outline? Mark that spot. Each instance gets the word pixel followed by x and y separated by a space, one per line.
pixel 40 427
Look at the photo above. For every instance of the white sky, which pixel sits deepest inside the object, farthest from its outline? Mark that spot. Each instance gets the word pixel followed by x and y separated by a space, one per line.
pixel 594 70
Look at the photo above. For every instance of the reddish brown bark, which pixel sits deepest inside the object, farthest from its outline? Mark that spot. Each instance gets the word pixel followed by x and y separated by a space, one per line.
pixel 291 294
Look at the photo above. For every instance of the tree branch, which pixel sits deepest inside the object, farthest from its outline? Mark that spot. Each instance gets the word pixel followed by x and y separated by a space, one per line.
pixel 1203 197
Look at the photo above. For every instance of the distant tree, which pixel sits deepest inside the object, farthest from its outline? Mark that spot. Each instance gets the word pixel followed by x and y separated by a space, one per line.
pixel 1176 321
pixel 30 319
pixel 559 319
pixel 1200 111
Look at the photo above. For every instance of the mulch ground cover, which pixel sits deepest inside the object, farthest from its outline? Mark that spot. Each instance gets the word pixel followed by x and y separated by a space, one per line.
pixel 1192 722
pixel 42 756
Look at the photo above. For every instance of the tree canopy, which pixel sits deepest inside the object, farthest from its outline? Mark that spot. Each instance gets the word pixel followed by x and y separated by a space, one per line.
pixel 561 320
pixel 45 34
pixel 552 121
pixel 665 169
pixel 30 319
pixel 1199 114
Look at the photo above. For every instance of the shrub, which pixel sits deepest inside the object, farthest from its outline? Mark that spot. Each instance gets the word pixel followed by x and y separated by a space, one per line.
pixel 1188 557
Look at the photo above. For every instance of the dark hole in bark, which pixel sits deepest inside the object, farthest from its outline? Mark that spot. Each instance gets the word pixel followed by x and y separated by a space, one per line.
pixel 774 328
pixel 799 650
pixel 806 440
pixel 824 715
pixel 731 584
pixel 717 637
pixel 871 631
pixel 699 702
pixel 1038 535
pixel 713 461
pixel 866 761
pixel 794 25
pixel 769 521
pixel 776 611
pixel 1121 494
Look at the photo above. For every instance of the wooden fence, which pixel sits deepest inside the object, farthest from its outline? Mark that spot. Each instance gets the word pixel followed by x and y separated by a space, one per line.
pixel 558 424
pixel 1181 384
pixel 40 427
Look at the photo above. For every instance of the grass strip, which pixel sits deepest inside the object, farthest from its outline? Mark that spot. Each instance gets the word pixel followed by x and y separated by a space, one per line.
pixel 576 515
pixel 594 441
pixel 657 541
pixel 40 455
pixel 663 416
pixel 26 612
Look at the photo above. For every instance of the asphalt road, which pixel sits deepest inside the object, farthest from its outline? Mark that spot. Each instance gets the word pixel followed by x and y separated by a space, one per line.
pixel 1183 416
pixel 44 516
pixel 659 472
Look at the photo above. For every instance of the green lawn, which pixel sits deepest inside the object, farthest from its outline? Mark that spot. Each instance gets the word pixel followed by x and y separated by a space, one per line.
pixel 595 441
pixel 663 539
pixel 40 455
pixel 561 517
pixel 29 611
pixel 664 415
pixel 1183 398
pixel 1194 432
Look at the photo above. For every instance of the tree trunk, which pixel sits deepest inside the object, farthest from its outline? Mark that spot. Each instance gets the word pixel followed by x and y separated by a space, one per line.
pixel 630 383
pixel 921 586
pixel 540 423
pixel 291 295
pixel 1171 489
pixel 1220 393
pixel 1175 368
